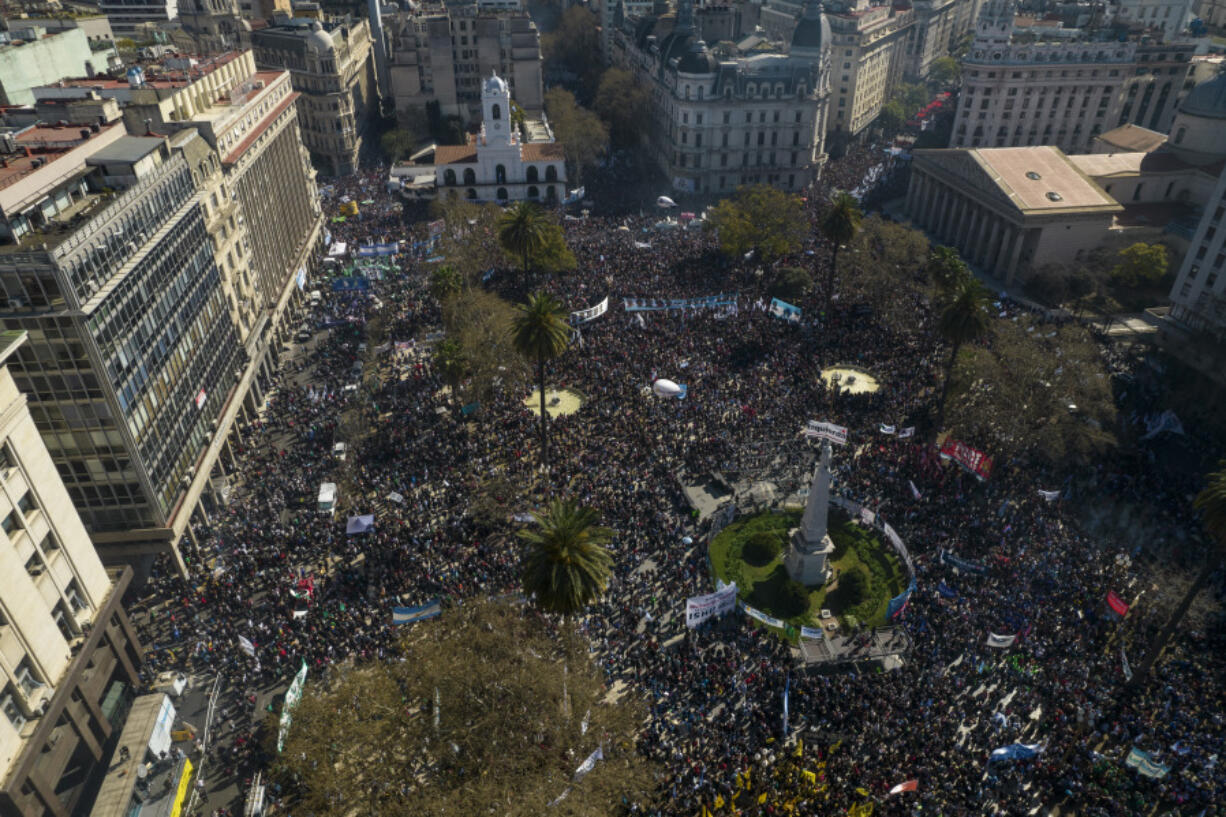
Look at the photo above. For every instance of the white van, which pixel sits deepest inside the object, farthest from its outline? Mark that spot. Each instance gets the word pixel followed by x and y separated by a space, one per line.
pixel 317 297
pixel 327 498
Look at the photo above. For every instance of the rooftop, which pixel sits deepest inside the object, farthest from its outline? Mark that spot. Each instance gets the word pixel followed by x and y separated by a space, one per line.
pixel 1041 178
pixel 126 149
pixel 9 341
pixel 1128 138
pixel 168 71
pixel 1100 165
pixel 38 146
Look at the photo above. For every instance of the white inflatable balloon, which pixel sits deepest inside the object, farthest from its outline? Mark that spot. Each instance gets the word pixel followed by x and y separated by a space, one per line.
pixel 665 388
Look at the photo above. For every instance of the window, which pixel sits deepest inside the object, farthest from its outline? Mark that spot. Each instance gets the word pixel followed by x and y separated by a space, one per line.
pixel 502 193
pixel 449 177
pixel 534 193
pixel 26 503
pixel 73 593
pixel 34 565
pixel 26 678
pixel 500 176
pixel 10 523
pixel 497 111
pixel 8 702
pixel 551 173
pixel 533 174
pixel 470 176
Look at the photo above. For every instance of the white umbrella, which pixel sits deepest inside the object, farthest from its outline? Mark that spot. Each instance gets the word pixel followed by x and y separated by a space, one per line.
pixel 665 388
pixel 665 201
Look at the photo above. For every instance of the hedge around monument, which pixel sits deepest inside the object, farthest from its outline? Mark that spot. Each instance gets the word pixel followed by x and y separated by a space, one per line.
pixel 766 585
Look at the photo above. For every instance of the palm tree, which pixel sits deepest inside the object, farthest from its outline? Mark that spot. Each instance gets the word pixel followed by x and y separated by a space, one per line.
pixel 445 282
pixel 1211 502
pixel 451 362
pixel 964 318
pixel 539 333
pixel 946 268
pixel 566 565
pixel 521 230
pixel 839 227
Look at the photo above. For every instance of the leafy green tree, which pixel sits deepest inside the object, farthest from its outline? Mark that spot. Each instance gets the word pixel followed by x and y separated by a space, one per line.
pixel 481 323
pixel 1211 502
pixel 839 226
pixel 566 565
pixel 761 548
pixel 944 71
pixel 761 218
pixel 398 143
pixel 1141 264
pixel 554 255
pixel 582 135
pixel 790 284
pixel 486 704
pixel 962 320
pixel 620 101
pixel 945 268
pixel 569 50
pixel 521 231
pixel 852 587
pixel 892 116
pixel 540 333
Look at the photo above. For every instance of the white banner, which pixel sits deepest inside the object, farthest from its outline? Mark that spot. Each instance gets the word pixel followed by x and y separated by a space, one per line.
pixel 885 429
pixel 909 431
pixel 1000 641
pixel 585 315
pixel 589 764
pixel 1050 496
pixel 397 497
pixel 700 608
pixel 1124 665
pixel 245 644
pixel 811 632
pixel 867 516
pixel 827 431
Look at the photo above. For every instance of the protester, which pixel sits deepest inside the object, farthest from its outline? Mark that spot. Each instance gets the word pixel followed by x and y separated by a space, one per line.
pixel 715 695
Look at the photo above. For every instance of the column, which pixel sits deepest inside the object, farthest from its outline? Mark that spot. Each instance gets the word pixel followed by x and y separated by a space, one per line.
pixel 973 235
pixel 988 253
pixel 962 234
pixel 1018 244
pixel 930 202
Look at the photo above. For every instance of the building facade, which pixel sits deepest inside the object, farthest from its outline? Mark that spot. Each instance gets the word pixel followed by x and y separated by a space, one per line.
pixel 1198 297
pixel 236 127
pixel 33 57
pixel 497 164
pixel 1171 17
pixel 128 16
pixel 1008 210
pixel 132 354
pixel 69 658
pixel 938 27
pixel 444 53
pixel 868 55
pixel 332 66
pixel 1051 86
pixel 715 125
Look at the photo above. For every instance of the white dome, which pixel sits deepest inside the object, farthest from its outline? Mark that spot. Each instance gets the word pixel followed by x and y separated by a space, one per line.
pixel 495 85
pixel 319 39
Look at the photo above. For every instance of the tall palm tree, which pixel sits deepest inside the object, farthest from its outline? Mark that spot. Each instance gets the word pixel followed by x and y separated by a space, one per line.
pixel 540 333
pixel 566 565
pixel 839 227
pixel 451 362
pixel 964 318
pixel 946 268
pixel 1211 502
pixel 521 230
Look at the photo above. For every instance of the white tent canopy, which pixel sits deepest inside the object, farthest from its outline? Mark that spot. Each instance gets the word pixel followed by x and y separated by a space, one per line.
pixel 665 201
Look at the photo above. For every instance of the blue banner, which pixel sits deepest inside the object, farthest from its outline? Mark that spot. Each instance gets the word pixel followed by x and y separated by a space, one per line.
pixel 659 304
pixel 1015 751
pixel 947 591
pixel 1145 764
pixel 356 283
pixel 784 310
pixel 899 602
pixel 962 564
pixel 410 615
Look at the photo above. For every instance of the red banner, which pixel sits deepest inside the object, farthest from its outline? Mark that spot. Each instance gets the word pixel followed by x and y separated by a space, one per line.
pixel 1116 604
pixel 977 462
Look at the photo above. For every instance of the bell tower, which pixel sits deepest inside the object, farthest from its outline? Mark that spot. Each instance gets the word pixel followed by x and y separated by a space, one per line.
pixel 496 112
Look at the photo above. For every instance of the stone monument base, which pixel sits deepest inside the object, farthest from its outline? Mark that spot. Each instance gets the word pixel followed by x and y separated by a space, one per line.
pixel 806 562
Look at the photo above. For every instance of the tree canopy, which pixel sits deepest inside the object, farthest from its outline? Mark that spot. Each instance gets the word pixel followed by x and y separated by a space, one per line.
pixel 620 101
pixel 1141 264
pixel 489 709
pixel 566 565
pixel 762 218
pixel 582 135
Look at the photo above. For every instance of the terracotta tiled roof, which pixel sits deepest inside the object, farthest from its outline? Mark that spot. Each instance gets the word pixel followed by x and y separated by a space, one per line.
pixel 543 152
pixel 455 155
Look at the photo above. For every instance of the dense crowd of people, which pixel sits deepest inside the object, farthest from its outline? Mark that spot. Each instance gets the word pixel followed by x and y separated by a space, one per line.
pixel 290 581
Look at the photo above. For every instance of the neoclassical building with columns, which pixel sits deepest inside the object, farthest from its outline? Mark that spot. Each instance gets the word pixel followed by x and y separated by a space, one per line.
pixel 1008 210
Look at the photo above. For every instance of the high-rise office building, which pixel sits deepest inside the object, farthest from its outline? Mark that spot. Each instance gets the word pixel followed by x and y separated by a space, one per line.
pixel 69 658
pixel 132 356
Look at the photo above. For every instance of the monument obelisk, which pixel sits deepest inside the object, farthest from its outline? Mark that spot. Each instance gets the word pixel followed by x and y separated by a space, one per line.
pixel 810 544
